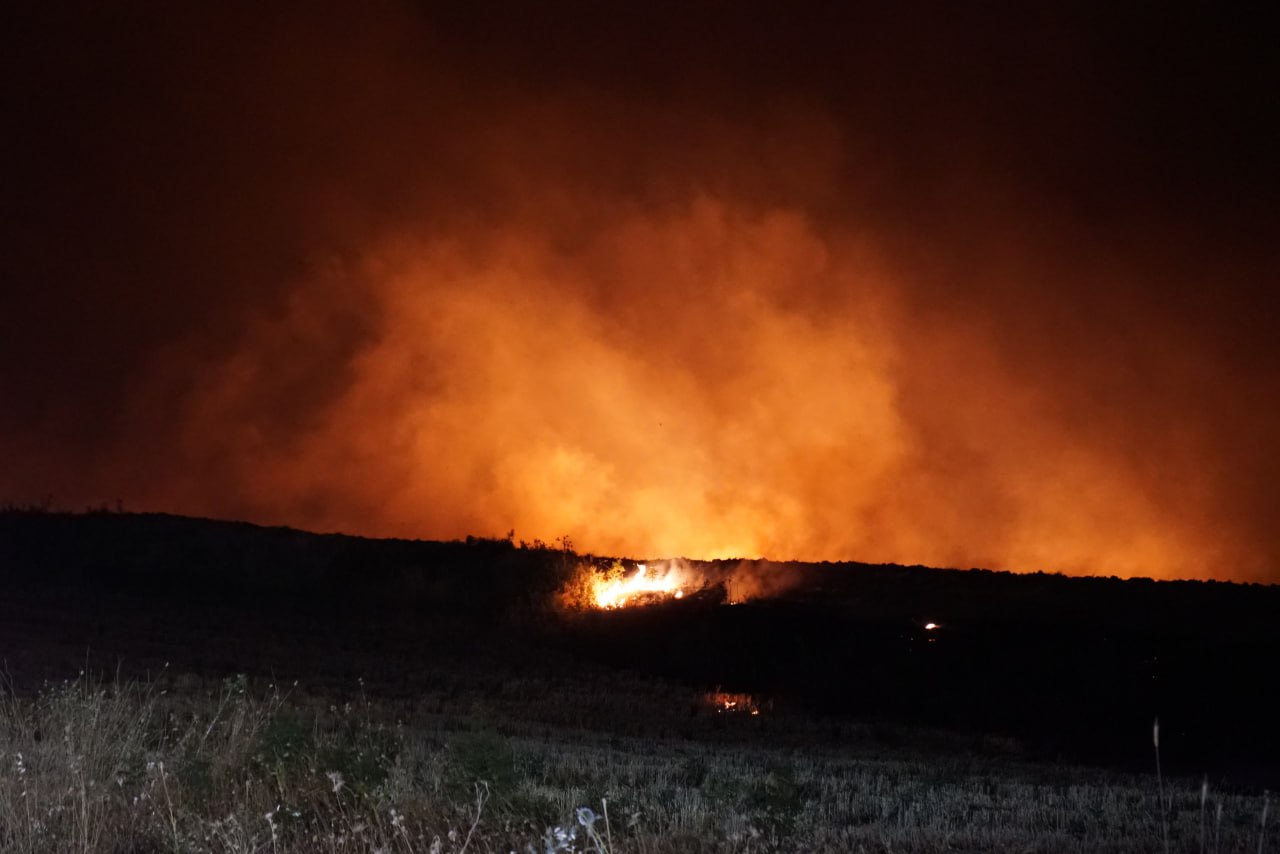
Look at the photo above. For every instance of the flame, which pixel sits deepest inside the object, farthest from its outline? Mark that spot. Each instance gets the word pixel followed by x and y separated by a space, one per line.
pixel 726 703
pixel 621 583
pixel 613 592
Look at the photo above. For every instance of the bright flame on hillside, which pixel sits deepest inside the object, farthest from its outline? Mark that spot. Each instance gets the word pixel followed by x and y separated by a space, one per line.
pixel 610 591
pixel 597 585
pixel 622 584
pixel 730 704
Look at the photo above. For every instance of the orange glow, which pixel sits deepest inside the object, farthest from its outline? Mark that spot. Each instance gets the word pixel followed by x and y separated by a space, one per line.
pixel 691 316
pixel 930 626
pixel 744 386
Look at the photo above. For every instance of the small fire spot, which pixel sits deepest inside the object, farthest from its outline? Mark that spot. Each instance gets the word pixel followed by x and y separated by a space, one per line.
pixel 732 704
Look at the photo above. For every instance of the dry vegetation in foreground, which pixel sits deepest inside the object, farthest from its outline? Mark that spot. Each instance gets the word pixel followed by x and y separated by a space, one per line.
pixel 133 767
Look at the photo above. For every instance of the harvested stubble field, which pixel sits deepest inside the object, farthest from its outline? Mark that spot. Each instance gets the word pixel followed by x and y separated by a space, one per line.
pixel 176 765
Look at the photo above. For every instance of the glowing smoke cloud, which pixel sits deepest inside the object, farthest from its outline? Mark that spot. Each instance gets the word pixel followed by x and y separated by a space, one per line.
pixel 382 273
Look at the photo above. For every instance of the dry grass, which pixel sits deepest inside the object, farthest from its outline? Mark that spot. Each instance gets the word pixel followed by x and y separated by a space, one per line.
pixel 131 767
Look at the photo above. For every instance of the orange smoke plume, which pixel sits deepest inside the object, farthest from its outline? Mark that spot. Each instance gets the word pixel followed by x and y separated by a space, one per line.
pixel 698 380
pixel 658 321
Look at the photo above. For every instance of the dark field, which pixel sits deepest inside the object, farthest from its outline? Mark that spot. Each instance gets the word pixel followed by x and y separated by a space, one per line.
pixel 222 673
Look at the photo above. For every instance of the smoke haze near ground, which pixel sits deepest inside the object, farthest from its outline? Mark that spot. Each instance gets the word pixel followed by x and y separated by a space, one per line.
pixel 884 287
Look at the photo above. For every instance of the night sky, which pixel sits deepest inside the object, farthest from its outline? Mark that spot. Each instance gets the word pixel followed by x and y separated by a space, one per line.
pixel 958 284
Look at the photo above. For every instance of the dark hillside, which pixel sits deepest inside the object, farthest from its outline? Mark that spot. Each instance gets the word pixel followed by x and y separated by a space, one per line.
pixel 1072 668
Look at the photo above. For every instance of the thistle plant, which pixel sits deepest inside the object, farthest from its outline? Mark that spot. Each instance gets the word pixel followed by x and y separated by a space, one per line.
pixel 1164 809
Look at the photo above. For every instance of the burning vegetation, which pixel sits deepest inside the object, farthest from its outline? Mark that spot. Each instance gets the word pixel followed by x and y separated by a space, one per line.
pixel 611 584
pixel 732 704
pixel 638 587
pixel 623 585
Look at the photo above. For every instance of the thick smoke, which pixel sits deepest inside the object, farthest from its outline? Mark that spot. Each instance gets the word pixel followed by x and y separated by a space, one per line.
pixel 395 273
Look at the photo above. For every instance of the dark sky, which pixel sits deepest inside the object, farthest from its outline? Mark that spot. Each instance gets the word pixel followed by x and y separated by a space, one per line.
pixel 960 284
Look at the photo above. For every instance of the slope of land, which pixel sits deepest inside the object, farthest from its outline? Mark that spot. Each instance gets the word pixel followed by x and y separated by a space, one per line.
pixel 867 726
